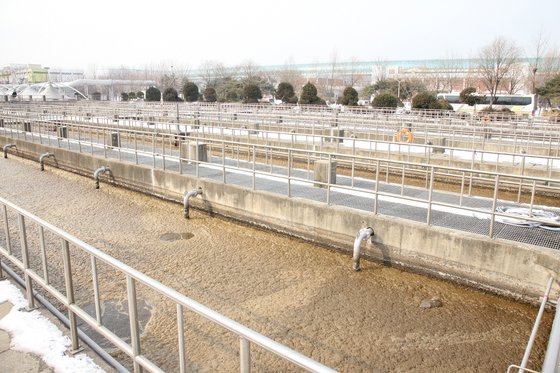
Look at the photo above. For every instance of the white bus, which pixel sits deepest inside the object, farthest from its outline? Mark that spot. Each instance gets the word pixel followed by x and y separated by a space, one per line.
pixel 518 104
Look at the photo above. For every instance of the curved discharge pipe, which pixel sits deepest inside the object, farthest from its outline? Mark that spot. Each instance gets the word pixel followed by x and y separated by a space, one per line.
pixel 188 195
pixel 6 149
pixel 42 159
pixel 100 171
pixel 363 234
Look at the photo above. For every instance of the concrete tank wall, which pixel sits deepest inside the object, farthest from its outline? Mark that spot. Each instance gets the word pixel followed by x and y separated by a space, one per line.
pixel 504 267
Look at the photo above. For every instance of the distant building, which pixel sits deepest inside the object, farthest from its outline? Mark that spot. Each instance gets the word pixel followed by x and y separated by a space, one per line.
pixel 35 73
pixel 65 75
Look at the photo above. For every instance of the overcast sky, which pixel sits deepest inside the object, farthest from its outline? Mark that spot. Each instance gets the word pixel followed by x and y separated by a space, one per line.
pixel 101 33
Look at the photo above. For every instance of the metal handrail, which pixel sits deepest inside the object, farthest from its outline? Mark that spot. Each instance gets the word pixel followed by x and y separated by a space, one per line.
pixel 255 113
pixel 513 366
pixel 552 355
pixel 393 148
pixel 536 325
pixel 133 277
pixel 518 181
pixel 169 137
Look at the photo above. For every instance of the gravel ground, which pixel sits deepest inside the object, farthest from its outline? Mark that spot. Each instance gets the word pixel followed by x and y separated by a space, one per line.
pixel 295 292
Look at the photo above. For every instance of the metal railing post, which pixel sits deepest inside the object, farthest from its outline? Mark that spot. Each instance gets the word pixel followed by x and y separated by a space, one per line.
pixel 181 338
pixel 494 202
pixel 430 196
pixel 95 281
pixel 329 180
pixel 536 326
pixel 7 229
pixel 244 356
pixel 153 150
pixel 133 319
pixel 43 254
pixel 376 204
pixel 25 259
pixel 224 162
pixel 254 166
pixel 70 296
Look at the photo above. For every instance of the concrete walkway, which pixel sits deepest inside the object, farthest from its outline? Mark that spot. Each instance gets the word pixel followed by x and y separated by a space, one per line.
pixel 14 361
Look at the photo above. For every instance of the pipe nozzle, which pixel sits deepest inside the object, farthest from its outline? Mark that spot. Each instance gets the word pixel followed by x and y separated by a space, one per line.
pixel 6 147
pixel 363 234
pixel 188 195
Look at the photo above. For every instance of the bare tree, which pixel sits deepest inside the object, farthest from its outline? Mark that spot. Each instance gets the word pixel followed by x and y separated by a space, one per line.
pixel 332 70
pixel 379 71
pixel 249 71
pixel 289 74
pixel 496 62
pixel 549 68
pixel 514 80
pixel 213 71
pixel 353 75
pixel 540 49
pixel 182 73
pixel 472 77
pixel 451 69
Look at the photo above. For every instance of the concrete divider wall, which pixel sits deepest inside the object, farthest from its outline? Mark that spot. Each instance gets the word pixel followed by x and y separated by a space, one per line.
pixel 504 267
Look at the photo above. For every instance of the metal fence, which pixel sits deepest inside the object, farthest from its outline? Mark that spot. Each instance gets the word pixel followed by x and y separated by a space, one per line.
pixel 532 136
pixel 75 257
pixel 291 171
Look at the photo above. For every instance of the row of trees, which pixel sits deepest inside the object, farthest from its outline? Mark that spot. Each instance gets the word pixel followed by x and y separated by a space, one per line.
pixel 250 93
pixel 385 95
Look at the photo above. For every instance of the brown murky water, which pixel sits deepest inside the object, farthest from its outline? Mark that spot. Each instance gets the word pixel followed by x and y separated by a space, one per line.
pixel 294 292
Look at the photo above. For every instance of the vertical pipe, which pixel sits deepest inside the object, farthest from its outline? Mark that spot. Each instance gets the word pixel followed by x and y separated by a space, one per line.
pixel 43 254
pixel 70 295
pixel 181 338
pixel 133 319
pixel 7 229
pixel 96 290
pixel 25 259
pixel 244 356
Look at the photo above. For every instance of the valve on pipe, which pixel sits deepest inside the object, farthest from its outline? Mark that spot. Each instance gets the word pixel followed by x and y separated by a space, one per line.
pixel 363 234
